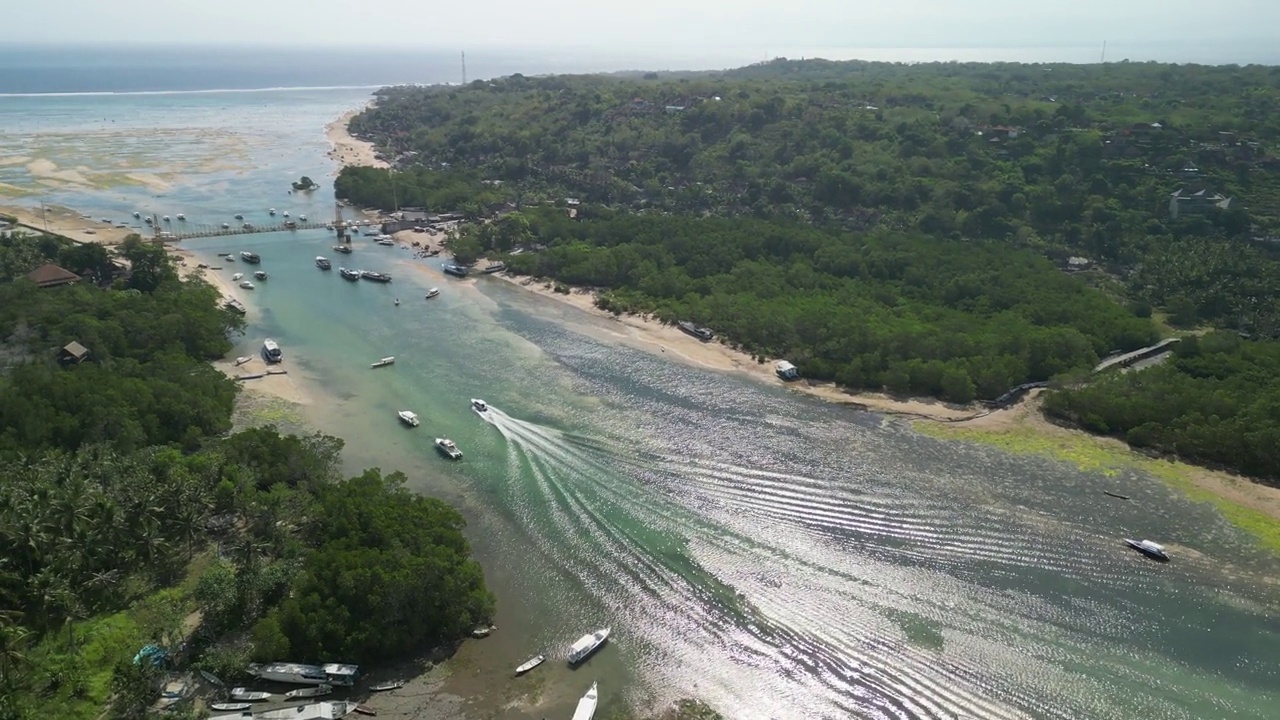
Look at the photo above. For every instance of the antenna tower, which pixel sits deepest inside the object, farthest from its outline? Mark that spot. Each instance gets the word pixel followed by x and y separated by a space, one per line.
pixel 1104 51
pixel 464 67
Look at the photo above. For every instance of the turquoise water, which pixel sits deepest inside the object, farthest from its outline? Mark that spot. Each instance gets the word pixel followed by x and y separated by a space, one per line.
pixel 773 555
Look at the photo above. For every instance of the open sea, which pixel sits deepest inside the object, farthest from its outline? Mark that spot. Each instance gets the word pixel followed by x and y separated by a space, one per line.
pixel 776 556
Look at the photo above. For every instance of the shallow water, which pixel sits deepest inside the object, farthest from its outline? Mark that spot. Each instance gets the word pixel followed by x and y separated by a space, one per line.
pixel 771 554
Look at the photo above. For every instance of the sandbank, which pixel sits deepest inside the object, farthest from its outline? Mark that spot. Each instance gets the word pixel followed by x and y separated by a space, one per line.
pixel 69 224
pixel 348 150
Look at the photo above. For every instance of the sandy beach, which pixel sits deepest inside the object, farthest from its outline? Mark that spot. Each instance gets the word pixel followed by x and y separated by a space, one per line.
pixel 348 150
pixel 68 223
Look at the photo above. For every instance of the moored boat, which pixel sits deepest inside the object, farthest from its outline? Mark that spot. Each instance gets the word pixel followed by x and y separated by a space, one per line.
pixel 181 217
pixel 247 695
pixel 432 293
pixel 239 216
pixel 226 226
pixel 236 277
pixel 271 211
pixel 316 691
pixel 587 705
pixel 385 686
pixel 408 417
pixel 323 263
pixel 336 674
pixel 479 405
pixel 249 257
pixel 530 664
pixel 586 645
pixel 271 351
pixel 448 448
pixel 388 360
pixel 366 710
pixel 260 274
pixel 346 274
pixel 246 285
pixel 137 214
pixel 229 706
pixel 481 632
pixel 235 306
pixel 342 248
pixel 375 276
pixel 302 218
pixel 454 269
pixel 1153 550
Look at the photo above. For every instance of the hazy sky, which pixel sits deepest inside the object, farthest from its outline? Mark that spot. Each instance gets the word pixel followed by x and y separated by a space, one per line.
pixel 689 25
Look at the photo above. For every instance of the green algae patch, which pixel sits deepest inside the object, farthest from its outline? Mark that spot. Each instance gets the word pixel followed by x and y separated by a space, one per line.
pixel 1107 457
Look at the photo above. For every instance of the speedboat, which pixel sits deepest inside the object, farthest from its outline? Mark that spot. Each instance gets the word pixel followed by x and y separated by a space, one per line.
pixel 323 263
pixel 272 211
pixel 448 449
pixel 375 276
pixel 389 360
pixel 302 218
pixel 166 218
pixel 286 213
pixel 260 274
pixel 148 221
pixel 249 257
pixel 587 705
pixel 246 285
pixel 408 417
pixel 342 248
pixel 346 274
pixel 137 214
pixel 530 664
pixel 1155 551
pixel 248 695
pixel 229 706
pixel 226 226
pixel 181 217
pixel 478 405
pixel 432 293
pixel 586 645
pixel 271 351
pixel 239 216
pixel 237 276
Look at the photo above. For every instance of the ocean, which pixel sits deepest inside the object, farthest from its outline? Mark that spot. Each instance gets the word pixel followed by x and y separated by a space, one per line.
pixel 774 555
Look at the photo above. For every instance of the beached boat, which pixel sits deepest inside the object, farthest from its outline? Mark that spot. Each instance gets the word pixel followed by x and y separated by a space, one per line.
pixel 366 710
pixel 408 417
pixel 454 269
pixel 586 645
pixel 260 274
pixel 342 248
pixel 236 277
pixel 481 632
pixel 336 674
pixel 346 274
pixel 703 334
pixel 1118 496
pixel 388 360
pixel 249 257
pixel 247 695
pixel 375 276
pixel 316 691
pixel 448 448
pixel 271 351
pixel 587 705
pixel 1153 550
pixel 479 405
pixel 493 268
pixel 323 263
pixel 385 686
pixel 246 285
pixel 530 664
pixel 243 359
pixel 229 706
pixel 235 306
pixel 432 293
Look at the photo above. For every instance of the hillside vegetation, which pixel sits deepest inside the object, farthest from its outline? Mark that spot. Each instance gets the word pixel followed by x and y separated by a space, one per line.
pixel 941 229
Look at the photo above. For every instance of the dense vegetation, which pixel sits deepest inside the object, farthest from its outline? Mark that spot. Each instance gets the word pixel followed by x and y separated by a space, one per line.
pixel 117 479
pixel 1216 401
pixel 895 226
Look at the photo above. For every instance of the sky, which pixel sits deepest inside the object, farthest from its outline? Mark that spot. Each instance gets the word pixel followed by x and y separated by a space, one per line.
pixel 752 28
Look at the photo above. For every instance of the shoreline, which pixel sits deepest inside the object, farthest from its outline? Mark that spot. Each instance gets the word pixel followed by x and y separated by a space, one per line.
pixel 1020 428
pixel 348 150
pixel 67 223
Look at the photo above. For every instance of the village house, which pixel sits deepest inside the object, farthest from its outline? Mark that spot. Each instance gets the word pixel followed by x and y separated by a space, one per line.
pixel 50 275
pixel 73 354
pixel 1194 202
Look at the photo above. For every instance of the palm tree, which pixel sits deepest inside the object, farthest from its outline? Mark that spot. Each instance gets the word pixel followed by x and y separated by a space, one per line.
pixel 13 640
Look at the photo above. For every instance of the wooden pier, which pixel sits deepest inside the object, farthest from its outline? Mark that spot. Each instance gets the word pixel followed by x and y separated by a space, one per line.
pixel 187 231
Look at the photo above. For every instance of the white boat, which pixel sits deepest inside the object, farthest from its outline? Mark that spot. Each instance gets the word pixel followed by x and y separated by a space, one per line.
pixel 316 691
pixel 229 706
pixel 386 241
pixel 530 664
pixel 271 351
pixel 323 263
pixel 166 218
pixel 479 405
pixel 337 674
pixel 181 217
pixel 481 632
pixel 260 274
pixel 432 293
pixel 586 645
pixel 408 417
pixel 226 226
pixel 246 285
pixel 237 276
pixel 272 211
pixel 448 448
pixel 303 218
pixel 1150 549
pixel 247 695
pixel 388 360
pixel 390 685
pixel 137 214
pixel 286 213
pixel 587 705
